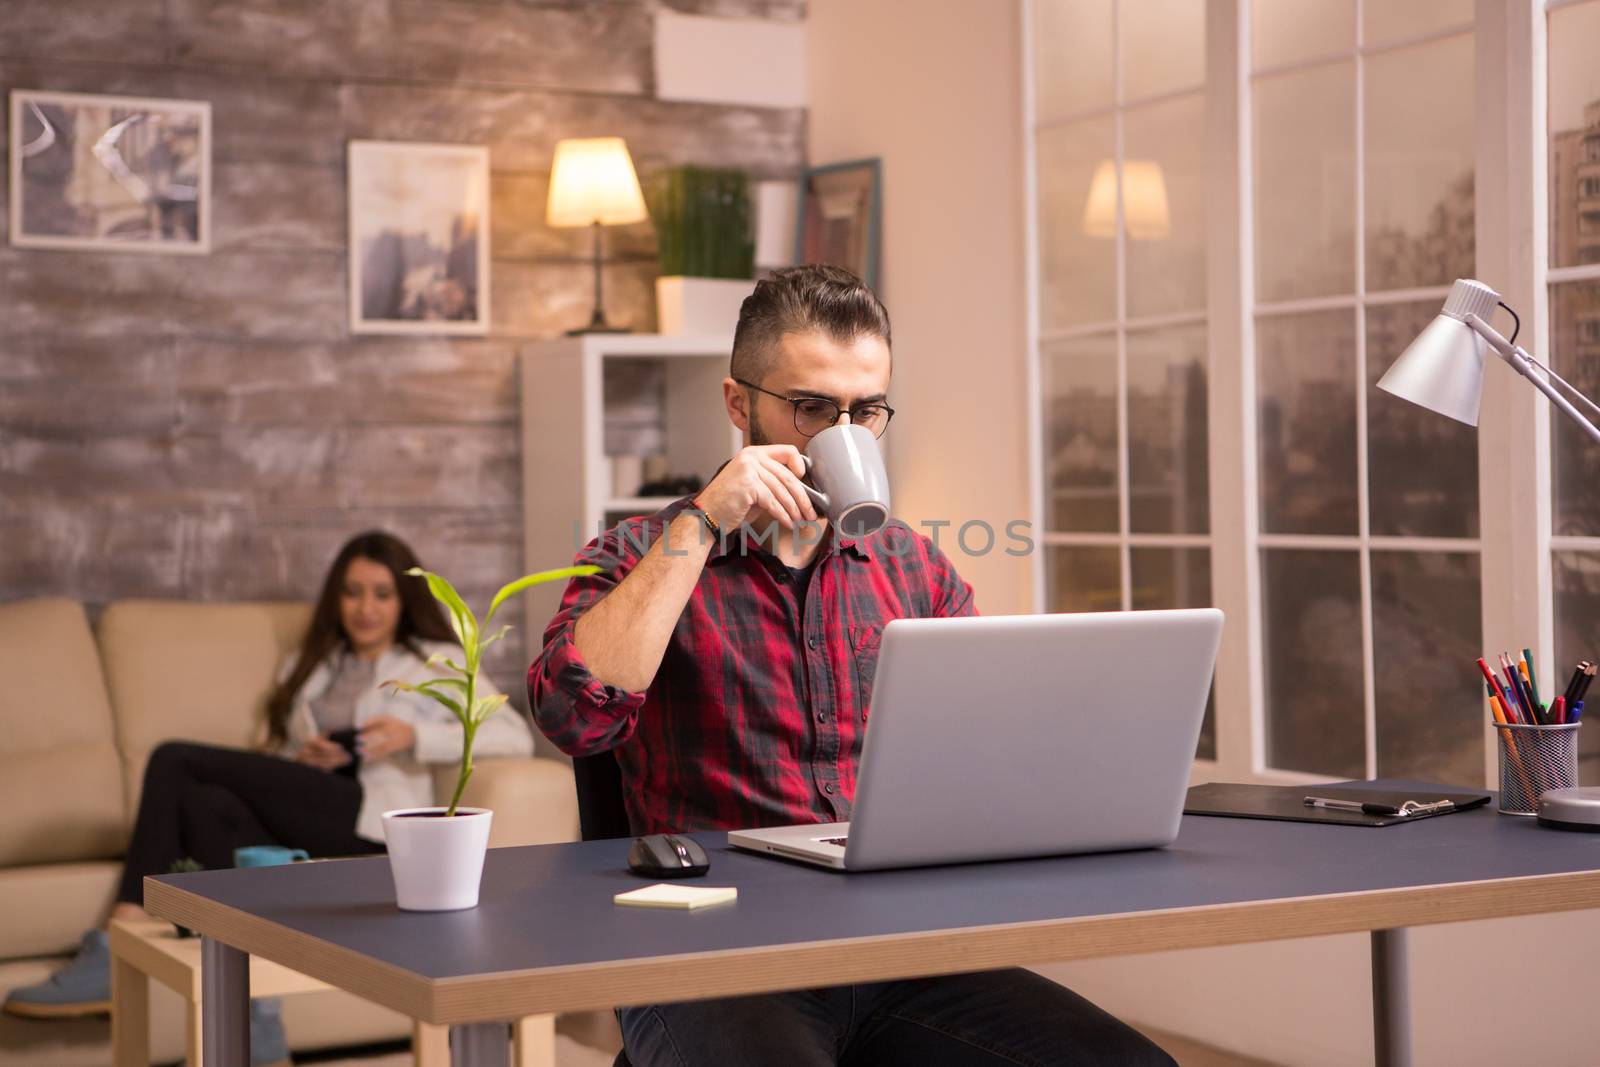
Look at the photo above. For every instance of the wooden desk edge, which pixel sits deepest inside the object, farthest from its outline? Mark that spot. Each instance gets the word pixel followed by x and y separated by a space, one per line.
pixel 691 976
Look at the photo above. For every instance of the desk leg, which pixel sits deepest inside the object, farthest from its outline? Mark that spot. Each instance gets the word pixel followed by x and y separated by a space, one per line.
pixel 535 1040
pixel 430 1045
pixel 1391 998
pixel 224 1004
pixel 480 1045
pixel 130 1015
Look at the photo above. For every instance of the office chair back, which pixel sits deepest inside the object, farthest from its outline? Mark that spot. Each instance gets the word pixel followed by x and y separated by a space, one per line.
pixel 601 812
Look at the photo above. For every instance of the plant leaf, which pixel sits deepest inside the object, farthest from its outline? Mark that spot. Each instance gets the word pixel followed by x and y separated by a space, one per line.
pixel 449 702
pixel 484 707
pixel 461 617
pixel 528 581
pixel 443 658
pixel 492 638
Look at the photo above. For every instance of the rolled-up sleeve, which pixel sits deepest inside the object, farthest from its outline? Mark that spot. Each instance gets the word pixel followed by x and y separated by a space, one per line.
pixel 578 713
pixel 952 596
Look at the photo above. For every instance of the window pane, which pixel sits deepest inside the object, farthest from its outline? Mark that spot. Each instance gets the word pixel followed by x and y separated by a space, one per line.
pixel 1425 634
pixel 1080 427
pixel 1419 165
pixel 1164 189
pixel 1072 56
pixel 1083 579
pixel 1167 440
pixel 1177 578
pixel 1422 468
pixel 1077 268
pixel 1284 31
pixel 1315 717
pixel 1163 46
pixel 1305 183
pixel 1577 600
pixel 1574 458
pixel 1305 369
pixel 1574 135
pixel 1387 20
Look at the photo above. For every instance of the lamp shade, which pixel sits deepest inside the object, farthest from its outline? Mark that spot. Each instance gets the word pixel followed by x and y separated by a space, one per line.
pixel 1144 201
pixel 592 180
pixel 1442 370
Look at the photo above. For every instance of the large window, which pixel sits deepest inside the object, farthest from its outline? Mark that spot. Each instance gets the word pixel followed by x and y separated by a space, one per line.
pixel 1365 602
pixel 1119 110
pixel 1574 292
pixel 1364 148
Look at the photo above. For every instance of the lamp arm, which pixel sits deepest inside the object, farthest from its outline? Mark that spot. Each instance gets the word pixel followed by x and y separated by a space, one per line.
pixel 1523 364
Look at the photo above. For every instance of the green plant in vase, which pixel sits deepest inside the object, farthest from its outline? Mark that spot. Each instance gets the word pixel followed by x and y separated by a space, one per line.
pixel 459 690
pixel 703 222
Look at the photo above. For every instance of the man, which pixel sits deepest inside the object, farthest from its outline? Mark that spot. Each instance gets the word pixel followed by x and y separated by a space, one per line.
pixel 725 655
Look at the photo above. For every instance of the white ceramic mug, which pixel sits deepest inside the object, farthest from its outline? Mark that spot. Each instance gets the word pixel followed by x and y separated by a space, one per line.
pixel 852 489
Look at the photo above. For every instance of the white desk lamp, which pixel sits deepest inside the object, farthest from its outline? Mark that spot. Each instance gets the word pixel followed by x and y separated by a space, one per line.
pixel 1442 370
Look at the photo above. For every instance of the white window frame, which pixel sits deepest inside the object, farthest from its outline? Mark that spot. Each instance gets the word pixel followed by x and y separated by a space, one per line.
pixel 1514 545
pixel 1123 539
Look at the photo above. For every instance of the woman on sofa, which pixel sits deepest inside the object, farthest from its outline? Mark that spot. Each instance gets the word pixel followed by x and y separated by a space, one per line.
pixel 372 624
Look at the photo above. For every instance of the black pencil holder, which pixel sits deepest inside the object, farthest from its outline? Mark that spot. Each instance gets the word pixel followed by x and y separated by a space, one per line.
pixel 1534 759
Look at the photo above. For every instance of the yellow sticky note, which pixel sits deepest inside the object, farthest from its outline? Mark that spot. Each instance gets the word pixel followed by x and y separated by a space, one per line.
pixel 662 895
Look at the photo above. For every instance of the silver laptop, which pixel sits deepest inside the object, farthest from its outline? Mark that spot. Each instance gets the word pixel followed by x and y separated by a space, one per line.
pixel 1026 735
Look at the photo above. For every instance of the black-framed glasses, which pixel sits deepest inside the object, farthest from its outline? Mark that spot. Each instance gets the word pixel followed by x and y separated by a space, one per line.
pixel 813 414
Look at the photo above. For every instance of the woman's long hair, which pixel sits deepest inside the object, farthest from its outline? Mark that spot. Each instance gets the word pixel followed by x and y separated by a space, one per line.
pixel 421 619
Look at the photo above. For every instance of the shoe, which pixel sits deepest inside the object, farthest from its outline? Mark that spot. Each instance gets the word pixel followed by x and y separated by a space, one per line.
pixel 82 987
pixel 269 1046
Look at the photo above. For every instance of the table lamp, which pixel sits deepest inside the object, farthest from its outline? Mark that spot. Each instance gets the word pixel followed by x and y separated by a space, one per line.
pixel 592 183
pixel 1442 370
pixel 1144 201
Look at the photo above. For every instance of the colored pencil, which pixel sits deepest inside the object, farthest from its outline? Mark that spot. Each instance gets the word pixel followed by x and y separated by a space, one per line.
pixel 1514 684
pixel 1527 667
pixel 1494 684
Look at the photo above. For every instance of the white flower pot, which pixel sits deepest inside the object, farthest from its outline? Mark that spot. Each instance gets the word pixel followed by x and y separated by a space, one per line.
pixel 697 307
pixel 437 862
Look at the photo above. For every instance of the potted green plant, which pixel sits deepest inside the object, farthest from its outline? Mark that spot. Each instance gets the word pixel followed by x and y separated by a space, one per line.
pixel 436 853
pixel 705 238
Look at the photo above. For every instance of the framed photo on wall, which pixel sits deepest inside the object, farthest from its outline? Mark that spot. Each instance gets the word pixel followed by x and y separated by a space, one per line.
pixel 419 238
pixel 840 209
pixel 110 172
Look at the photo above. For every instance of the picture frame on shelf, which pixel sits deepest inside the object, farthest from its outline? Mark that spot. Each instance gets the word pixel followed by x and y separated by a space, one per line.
pixel 419 238
pixel 840 217
pixel 117 173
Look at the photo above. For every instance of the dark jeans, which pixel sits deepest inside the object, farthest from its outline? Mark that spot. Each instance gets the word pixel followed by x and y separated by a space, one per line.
pixel 202 802
pixel 991 1018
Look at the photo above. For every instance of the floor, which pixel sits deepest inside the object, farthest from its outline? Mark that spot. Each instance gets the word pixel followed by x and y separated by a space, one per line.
pixel 570 1053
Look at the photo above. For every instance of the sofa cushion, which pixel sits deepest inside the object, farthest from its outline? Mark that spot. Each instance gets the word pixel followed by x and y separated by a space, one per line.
pixel 61 795
pixel 192 672
pixel 59 901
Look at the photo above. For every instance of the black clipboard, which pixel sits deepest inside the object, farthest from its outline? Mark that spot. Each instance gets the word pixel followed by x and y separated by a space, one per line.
pixel 1288 802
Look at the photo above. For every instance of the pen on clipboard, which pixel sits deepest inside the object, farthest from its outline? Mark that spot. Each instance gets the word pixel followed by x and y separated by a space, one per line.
pixel 1410 807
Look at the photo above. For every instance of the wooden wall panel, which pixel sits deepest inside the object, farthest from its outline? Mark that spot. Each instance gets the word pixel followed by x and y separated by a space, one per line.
pixel 205 427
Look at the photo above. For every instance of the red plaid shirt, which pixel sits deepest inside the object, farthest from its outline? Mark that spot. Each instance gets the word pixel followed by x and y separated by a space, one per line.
pixel 756 716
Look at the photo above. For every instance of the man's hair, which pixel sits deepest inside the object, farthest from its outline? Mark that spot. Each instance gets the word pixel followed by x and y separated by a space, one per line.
pixel 814 297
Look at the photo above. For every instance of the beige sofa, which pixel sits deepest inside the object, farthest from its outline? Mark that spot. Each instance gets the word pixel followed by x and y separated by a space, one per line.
pixel 80 712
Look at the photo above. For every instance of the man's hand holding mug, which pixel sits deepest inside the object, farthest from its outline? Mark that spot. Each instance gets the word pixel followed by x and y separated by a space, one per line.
pixel 760 479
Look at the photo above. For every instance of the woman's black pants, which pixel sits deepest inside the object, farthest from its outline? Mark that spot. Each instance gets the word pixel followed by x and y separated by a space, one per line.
pixel 201 802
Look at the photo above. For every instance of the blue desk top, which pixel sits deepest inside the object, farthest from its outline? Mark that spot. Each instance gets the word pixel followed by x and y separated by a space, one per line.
pixel 550 906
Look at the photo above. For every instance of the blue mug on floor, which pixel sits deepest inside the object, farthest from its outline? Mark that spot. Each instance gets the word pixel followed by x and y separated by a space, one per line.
pixel 267 855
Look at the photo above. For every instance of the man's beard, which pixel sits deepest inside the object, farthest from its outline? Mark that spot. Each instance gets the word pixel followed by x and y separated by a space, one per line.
pixel 758 436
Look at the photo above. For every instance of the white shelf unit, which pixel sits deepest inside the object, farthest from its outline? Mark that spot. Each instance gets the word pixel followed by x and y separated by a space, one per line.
pixel 567 497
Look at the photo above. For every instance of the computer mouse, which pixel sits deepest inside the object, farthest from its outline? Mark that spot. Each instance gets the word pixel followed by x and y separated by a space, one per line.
pixel 668 856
